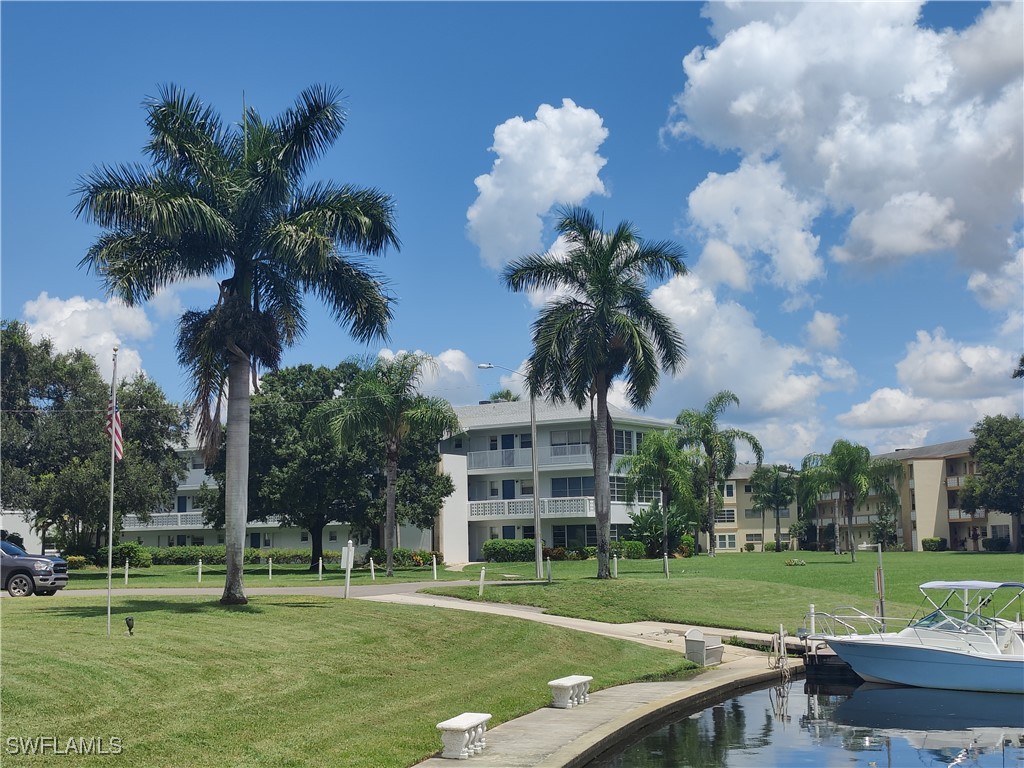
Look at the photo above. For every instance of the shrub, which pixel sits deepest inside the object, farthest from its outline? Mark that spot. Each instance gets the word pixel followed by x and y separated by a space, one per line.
pixel 933 544
pixel 77 562
pixel 687 546
pixel 631 550
pixel 210 554
pixel 769 546
pixel 793 561
pixel 509 550
pixel 591 552
pixel 555 553
pixel 749 546
pixel 996 544
pixel 136 555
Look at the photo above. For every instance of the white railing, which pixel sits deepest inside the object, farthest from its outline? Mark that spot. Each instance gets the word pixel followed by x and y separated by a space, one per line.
pixel 573 506
pixel 513 458
pixel 176 520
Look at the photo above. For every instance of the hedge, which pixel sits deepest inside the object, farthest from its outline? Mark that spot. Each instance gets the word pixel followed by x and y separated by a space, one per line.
pixel 1001 544
pixel 631 550
pixel 405 558
pixel 136 555
pixel 933 544
pixel 509 550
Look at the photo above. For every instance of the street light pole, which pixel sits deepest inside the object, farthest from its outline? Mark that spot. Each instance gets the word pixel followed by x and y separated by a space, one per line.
pixel 538 546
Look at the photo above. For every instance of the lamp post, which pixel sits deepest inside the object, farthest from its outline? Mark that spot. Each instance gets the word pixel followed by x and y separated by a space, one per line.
pixel 879 579
pixel 538 548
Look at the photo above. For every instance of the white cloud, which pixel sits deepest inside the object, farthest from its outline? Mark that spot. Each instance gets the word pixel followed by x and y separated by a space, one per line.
pixel 822 331
pixel 168 303
pixel 720 264
pixel 452 375
pixel 1003 289
pixel 540 163
pixel 92 325
pixel 938 367
pixel 859 110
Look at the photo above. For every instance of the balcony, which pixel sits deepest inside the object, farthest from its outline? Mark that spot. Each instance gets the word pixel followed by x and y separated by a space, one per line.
pixel 522 458
pixel 179 520
pixel 573 506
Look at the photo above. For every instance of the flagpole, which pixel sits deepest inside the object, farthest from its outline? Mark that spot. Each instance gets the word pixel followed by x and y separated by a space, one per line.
pixel 112 411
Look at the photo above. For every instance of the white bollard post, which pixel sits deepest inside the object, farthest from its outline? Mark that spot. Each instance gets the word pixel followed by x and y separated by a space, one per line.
pixel 348 567
pixel 615 566
pixel 481 592
pixel 812 618
pixel 126 573
pixel 200 570
pixel 549 570
pixel 433 562
pixel 373 575
pixel 665 558
pixel 270 569
pixel 320 569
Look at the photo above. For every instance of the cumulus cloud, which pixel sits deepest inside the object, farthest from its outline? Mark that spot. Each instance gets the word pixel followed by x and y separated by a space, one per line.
pixel 720 264
pixel 452 375
pixel 550 160
pixel 939 367
pixel 92 325
pixel 913 135
pixel 822 331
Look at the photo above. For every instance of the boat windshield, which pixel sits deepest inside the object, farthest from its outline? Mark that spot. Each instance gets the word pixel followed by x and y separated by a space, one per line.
pixel 951 619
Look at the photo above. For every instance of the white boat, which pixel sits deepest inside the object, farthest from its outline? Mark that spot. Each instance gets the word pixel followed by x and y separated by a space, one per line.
pixel 955 647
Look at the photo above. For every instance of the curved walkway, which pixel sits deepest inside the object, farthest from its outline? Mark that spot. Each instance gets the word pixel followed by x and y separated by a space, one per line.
pixel 563 738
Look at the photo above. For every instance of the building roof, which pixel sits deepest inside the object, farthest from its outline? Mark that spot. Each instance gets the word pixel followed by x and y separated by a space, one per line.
pixel 939 451
pixel 517 413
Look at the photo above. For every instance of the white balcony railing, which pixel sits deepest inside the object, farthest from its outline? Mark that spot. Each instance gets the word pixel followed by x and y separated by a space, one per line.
pixel 512 458
pixel 573 506
pixel 177 520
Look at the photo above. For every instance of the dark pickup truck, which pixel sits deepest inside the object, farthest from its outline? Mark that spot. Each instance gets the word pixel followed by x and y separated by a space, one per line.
pixel 23 574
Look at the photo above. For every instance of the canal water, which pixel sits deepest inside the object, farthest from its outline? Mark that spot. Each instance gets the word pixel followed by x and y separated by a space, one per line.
pixel 817 726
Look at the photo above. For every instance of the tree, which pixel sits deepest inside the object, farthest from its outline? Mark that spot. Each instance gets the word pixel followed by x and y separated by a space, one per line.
pixel 503 396
pixel 849 469
pixel 383 401
pixel 229 203
pixel 699 429
pixel 999 484
pixel 1018 372
pixel 599 326
pixel 883 529
pixel 56 454
pixel 660 463
pixel 773 487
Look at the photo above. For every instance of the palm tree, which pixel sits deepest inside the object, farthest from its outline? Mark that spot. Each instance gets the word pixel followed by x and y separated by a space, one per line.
pixel 383 401
pixel 849 469
pixel 773 487
pixel 230 203
pixel 700 430
pixel 600 325
pixel 503 396
pixel 659 462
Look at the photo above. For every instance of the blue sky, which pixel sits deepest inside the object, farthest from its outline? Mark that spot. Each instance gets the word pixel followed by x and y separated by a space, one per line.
pixel 846 178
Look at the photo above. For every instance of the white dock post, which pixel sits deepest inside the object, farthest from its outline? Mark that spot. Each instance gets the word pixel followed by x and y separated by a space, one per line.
pixel 812 618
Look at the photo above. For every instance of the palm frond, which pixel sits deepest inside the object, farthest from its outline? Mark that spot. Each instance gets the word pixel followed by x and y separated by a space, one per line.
pixel 310 127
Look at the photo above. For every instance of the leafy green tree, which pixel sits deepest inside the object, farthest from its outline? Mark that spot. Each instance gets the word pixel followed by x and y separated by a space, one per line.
pixel 382 401
pixel 660 463
pixel 883 529
pixel 1018 372
pixel 503 396
pixel 849 469
pixel 999 484
pixel 600 326
pixel 56 454
pixel 774 487
pixel 700 430
pixel 229 202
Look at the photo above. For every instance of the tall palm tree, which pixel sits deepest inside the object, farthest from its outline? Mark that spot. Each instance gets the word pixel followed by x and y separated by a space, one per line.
pixel 773 488
pixel 659 462
pixel 230 203
pixel 849 469
pixel 383 400
pixel 699 429
pixel 600 325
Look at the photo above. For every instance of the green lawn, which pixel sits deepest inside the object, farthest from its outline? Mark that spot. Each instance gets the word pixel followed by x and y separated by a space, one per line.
pixel 284 681
pixel 754 591
pixel 184 576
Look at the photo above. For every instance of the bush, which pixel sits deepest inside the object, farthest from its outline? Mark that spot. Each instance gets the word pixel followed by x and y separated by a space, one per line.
pixel 509 550
pixel 996 544
pixel 592 552
pixel 136 555
pixel 793 561
pixel 555 553
pixel 77 562
pixel 403 557
pixel 934 544
pixel 769 546
pixel 687 547
pixel 631 550
pixel 749 546
pixel 211 554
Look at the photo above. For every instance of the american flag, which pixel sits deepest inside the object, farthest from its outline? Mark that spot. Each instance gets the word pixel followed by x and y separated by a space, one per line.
pixel 114 427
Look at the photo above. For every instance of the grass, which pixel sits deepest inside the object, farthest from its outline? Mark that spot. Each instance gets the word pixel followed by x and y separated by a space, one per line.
pixel 284 575
pixel 754 591
pixel 284 681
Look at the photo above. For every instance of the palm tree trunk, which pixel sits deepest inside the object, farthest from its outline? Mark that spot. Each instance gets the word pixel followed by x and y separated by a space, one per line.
pixel 849 530
pixel 762 530
pixel 665 496
pixel 389 515
pixel 711 510
pixel 778 532
pixel 236 481
pixel 602 485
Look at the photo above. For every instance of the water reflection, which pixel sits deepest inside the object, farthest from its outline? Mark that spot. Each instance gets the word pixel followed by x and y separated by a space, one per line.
pixel 811 725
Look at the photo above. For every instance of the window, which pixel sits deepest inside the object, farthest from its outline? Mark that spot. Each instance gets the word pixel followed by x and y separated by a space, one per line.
pixel 220 538
pixel 304 536
pixel 457 442
pixel 754 538
pixel 726 541
pixel 574 536
pixel 493 533
pixel 198 541
pixel 564 441
pixel 526 487
pixel 566 487
pixel 197 461
pixel 782 512
pixel 332 536
pixel 623 442
pixel 752 514
pixel 494 489
pixel 526 440
pixel 730 490
pixel 182 504
pixel 1000 531
pixel 266 539
pixel 528 531
pixel 748 488
pixel 725 516
pixel 138 539
pixel 493 442
pixel 179 540
pixel 620 532
pixel 618 491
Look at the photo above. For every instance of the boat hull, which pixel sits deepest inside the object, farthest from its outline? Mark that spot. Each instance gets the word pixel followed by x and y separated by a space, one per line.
pixel 886 660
